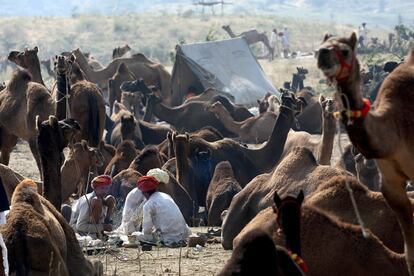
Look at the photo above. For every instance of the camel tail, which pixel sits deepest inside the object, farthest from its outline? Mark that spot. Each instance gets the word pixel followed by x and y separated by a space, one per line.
pixel 93 122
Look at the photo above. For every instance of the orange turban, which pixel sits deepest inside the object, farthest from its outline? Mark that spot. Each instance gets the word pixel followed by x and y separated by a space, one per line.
pixel 101 180
pixel 147 183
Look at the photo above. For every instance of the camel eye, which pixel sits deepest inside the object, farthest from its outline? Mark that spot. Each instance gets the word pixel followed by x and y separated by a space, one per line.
pixel 345 52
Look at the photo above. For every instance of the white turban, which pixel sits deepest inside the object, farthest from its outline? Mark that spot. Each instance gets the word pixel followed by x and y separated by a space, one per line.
pixel 160 175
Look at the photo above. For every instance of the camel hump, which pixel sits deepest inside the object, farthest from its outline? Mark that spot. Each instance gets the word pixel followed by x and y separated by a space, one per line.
pixel 141 58
pixel 122 69
pixel 302 155
pixel 26 191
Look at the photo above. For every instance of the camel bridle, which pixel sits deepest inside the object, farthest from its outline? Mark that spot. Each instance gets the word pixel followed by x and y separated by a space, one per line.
pixel 343 64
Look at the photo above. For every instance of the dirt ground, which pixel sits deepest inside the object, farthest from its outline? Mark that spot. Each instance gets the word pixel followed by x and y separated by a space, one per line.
pixel 159 261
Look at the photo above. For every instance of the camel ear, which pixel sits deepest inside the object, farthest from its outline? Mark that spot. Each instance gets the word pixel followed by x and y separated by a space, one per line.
pixel 258 102
pixel 326 37
pixel 187 136
pixel 277 200
pixel 300 197
pixel 53 122
pixel 131 118
pixel 38 123
pixel 72 58
pixel 84 145
pixel 36 49
pixel 321 99
pixel 353 41
pixel 169 135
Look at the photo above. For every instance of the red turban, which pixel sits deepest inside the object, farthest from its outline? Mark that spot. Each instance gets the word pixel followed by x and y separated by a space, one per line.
pixel 147 183
pixel 101 180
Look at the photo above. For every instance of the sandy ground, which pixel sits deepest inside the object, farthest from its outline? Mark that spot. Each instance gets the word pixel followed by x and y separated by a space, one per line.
pixel 159 261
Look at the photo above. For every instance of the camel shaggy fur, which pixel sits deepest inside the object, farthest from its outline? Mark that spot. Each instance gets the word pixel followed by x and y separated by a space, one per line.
pixel 124 155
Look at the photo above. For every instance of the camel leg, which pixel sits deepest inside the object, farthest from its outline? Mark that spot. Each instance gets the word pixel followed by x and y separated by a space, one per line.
pixel 35 151
pixel 8 141
pixel 393 188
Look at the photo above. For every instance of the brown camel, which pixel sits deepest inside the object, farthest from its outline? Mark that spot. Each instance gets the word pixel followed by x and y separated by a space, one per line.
pixel 20 102
pixel 248 257
pixel 333 197
pixel 223 187
pixel 365 170
pixel 253 130
pixel 153 134
pixel 29 60
pixel 122 115
pixel 153 73
pixel 251 37
pixel 120 51
pixel 331 247
pixel 297 171
pixel 75 170
pixel 39 240
pixel 127 179
pixel 108 152
pixel 122 74
pixel 321 146
pixel 149 158
pixel 248 163
pixel 189 117
pixel 207 95
pixel 133 102
pixel 129 132
pixel 48 65
pixel 125 153
pixel 382 133
pixel 10 179
pixel 53 137
pixel 86 103
pixel 269 103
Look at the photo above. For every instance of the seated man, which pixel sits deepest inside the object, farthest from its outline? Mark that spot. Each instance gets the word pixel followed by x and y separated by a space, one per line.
pixel 162 219
pixel 91 214
pixel 132 212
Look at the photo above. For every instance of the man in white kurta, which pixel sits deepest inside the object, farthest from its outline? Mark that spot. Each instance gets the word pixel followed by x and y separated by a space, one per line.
pixel 162 219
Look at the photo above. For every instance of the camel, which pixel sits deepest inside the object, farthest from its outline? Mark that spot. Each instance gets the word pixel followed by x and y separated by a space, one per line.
pixel 365 170
pixel 248 163
pixel 153 73
pixel 10 179
pixel 2 85
pixel 207 95
pixel 128 132
pixel 297 171
pixel 39 240
pixel 149 158
pixel 333 197
pixel 253 130
pixel 153 134
pixel 139 85
pixel 119 51
pixel 127 179
pixel 223 187
pixel 327 243
pixel 189 117
pixel 29 60
pixel 298 78
pixel 251 37
pixel 75 170
pixel 133 102
pixel 108 152
pixel 375 133
pixel 269 103
pixel 53 137
pixel 121 115
pixel 86 103
pixel 125 153
pixel 20 102
pixel 248 257
pixel 48 65
pixel 122 74
pixel 310 120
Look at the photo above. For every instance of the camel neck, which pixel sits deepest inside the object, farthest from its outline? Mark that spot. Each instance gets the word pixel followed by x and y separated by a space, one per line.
pixel 351 89
pixel 229 122
pixel 165 113
pixel 52 177
pixel 182 165
pixel 270 153
pixel 34 70
pixel 62 90
pixel 327 141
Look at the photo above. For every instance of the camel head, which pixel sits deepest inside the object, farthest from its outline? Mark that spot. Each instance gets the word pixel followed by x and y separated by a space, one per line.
pixel 63 65
pixel 134 101
pixel 153 100
pixel 25 58
pixel 127 126
pixel 327 104
pixel 288 212
pixel 336 57
pixel 60 132
pixel 181 143
pixel 82 153
pixel 289 101
pixel 135 86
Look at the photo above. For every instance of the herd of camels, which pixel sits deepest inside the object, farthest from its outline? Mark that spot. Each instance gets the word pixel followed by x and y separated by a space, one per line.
pixel 266 179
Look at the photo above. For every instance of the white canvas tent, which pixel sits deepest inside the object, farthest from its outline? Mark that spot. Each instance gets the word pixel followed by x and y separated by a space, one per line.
pixel 227 65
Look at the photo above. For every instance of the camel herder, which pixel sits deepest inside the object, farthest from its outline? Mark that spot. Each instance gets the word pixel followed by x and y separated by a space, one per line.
pixel 162 219
pixel 91 214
